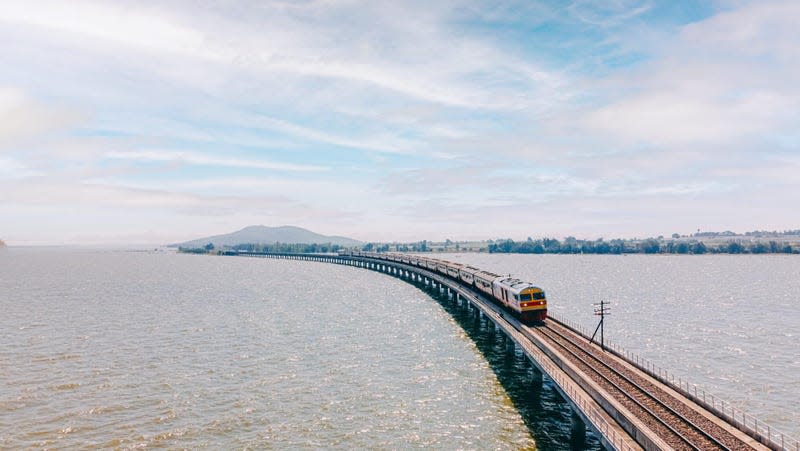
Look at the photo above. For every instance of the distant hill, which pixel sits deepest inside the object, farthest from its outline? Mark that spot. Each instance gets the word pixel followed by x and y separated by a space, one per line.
pixel 269 235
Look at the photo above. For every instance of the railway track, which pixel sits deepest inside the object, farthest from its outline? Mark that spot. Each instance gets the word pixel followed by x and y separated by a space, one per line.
pixel 677 424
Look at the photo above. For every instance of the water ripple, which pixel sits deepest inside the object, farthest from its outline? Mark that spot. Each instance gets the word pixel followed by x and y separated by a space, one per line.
pixel 130 350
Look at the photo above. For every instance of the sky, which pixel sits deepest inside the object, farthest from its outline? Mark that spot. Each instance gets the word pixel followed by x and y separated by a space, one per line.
pixel 157 122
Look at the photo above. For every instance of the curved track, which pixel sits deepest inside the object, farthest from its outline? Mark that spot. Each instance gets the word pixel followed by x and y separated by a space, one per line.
pixel 677 424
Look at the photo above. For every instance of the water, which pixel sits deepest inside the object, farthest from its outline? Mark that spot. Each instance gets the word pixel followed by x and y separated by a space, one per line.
pixel 124 349
pixel 729 323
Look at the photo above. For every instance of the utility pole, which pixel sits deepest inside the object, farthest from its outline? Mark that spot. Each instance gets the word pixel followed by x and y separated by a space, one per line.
pixel 600 310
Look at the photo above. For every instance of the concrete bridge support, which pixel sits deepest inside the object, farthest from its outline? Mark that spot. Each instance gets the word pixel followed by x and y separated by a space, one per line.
pixel 577 431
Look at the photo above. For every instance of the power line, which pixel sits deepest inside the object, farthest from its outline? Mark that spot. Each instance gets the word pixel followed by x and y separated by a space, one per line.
pixel 601 309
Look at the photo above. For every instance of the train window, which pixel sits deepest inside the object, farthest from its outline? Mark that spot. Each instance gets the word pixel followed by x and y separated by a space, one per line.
pixel 525 297
pixel 538 295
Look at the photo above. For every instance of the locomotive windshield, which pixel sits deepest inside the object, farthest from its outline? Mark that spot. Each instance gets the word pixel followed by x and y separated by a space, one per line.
pixel 539 295
pixel 525 297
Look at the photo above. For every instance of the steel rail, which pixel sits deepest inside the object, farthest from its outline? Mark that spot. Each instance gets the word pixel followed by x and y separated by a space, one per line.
pixel 658 417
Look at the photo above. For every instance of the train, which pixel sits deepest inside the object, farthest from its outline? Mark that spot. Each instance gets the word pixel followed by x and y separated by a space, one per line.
pixel 523 300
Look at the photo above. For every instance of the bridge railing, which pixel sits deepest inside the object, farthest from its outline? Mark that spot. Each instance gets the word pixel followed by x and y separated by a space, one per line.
pixel 745 422
pixel 582 400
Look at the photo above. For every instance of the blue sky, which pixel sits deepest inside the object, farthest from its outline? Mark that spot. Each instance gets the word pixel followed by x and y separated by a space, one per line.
pixel 139 122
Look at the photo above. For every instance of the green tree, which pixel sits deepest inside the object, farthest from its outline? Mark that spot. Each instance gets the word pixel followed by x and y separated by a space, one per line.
pixel 551 245
pixel 650 246
pixel 734 248
pixel 617 246
pixel 601 247
pixel 699 248
pixel 570 245
pixel 526 247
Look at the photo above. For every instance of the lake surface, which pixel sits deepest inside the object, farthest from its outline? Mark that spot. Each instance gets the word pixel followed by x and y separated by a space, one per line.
pixel 126 349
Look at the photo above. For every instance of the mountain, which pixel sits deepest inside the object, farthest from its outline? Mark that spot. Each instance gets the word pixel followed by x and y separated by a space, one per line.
pixel 269 235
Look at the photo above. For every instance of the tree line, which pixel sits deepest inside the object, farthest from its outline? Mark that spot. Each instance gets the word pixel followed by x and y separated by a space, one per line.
pixel 289 248
pixel 569 245
pixel 421 246
pixel 649 246
pixel 275 248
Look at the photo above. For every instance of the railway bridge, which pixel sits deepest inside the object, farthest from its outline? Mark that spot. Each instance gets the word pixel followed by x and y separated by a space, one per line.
pixel 630 403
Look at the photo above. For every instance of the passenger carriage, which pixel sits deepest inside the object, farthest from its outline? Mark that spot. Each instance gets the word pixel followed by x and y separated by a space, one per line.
pixel 452 269
pixel 484 281
pixel 467 274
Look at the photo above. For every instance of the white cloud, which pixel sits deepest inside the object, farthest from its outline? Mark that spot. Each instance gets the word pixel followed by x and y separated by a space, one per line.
pixel 23 118
pixel 728 78
pixel 680 115
pixel 207 160
pixel 126 25
pixel 423 60
pixel 49 192
pixel 15 169
pixel 388 144
pixel 607 13
pixel 319 194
